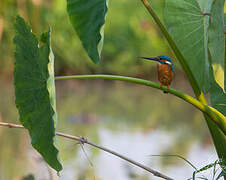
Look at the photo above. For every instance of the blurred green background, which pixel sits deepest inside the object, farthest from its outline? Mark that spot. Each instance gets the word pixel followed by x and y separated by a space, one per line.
pixel 109 113
pixel 129 33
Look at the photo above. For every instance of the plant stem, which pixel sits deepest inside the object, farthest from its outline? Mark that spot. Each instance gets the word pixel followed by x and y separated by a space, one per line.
pixel 83 140
pixel 215 115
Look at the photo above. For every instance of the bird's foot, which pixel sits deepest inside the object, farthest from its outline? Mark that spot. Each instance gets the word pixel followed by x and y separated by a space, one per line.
pixel 167 90
pixel 161 87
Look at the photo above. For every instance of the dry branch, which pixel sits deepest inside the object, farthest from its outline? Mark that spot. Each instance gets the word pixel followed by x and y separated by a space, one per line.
pixel 83 140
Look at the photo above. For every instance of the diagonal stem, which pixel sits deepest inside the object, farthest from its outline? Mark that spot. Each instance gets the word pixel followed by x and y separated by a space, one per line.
pixel 215 115
pixel 83 140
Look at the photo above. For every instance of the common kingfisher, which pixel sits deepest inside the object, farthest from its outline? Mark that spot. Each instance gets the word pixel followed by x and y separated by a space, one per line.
pixel 164 68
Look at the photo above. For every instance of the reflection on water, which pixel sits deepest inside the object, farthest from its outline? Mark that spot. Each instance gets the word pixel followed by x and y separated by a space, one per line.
pixel 135 146
pixel 133 120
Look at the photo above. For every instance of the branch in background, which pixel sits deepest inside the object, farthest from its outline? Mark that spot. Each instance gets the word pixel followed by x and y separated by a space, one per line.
pixel 83 140
pixel 215 115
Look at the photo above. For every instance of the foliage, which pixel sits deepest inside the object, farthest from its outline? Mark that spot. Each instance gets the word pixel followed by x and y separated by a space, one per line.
pixel 206 167
pixel 135 36
pixel 190 36
pixel 209 166
pixel 216 43
pixel 88 18
pixel 195 18
pixel 35 90
pixel 197 34
pixel 188 11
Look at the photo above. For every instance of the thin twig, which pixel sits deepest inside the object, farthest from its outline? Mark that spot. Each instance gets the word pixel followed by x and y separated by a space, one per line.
pixel 86 155
pixel 85 141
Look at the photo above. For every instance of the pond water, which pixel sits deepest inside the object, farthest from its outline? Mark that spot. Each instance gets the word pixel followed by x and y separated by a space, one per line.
pixel 135 121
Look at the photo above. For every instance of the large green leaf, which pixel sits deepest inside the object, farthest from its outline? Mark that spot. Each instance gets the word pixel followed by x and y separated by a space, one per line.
pixel 216 41
pixel 88 18
pixel 35 90
pixel 188 22
pixel 217 49
pixel 218 101
pixel 224 23
pixel 218 98
pixel 189 29
pixel 224 52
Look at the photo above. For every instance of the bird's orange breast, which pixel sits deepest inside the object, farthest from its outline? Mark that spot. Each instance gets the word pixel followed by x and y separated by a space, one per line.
pixel 165 75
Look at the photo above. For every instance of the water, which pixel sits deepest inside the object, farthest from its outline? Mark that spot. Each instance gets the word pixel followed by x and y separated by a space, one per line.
pixel 132 120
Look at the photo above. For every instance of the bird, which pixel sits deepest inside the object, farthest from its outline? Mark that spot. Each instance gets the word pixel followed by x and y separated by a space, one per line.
pixel 164 69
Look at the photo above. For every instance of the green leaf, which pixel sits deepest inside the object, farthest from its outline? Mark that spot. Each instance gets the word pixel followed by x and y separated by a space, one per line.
pixel 218 101
pixel 217 94
pixel 224 23
pixel 224 53
pixel 183 18
pixel 218 98
pixel 216 41
pixel 35 90
pixel 178 156
pixel 88 18
pixel 189 29
pixel 212 165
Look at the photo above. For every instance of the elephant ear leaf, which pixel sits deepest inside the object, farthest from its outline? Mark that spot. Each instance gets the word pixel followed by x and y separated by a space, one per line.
pixel 35 90
pixel 187 22
pixel 218 98
pixel 88 18
pixel 217 42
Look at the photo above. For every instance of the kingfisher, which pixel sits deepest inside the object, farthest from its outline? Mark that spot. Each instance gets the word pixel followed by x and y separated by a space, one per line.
pixel 164 68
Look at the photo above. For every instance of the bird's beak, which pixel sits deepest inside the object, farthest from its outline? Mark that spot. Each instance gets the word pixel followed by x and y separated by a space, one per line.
pixel 150 58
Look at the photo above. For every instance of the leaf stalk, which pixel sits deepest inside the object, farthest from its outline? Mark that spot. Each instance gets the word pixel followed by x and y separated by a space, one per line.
pixel 215 115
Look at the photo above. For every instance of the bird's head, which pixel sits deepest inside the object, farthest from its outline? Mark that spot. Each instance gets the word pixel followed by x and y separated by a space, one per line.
pixel 163 59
